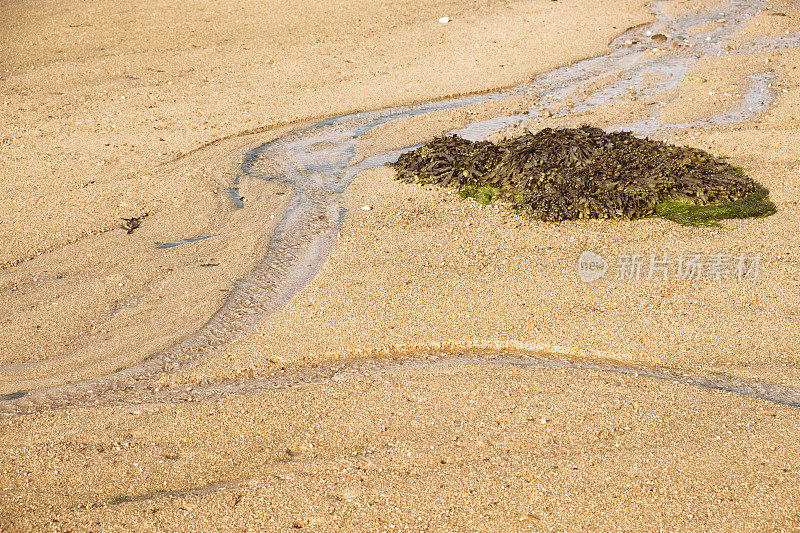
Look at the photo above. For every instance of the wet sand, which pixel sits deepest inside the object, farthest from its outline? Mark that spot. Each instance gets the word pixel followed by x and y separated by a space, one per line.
pixel 113 112
pixel 453 448
pixel 463 446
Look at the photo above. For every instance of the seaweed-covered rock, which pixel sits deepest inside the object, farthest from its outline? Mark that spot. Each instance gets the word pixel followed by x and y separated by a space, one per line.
pixel 567 174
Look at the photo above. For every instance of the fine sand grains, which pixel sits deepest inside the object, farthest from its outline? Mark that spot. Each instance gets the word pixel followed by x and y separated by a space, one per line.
pixel 468 447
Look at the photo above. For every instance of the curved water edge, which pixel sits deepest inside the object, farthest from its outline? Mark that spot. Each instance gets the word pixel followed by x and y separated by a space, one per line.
pixel 337 371
pixel 350 369
pixel 148 393
pixel 314 163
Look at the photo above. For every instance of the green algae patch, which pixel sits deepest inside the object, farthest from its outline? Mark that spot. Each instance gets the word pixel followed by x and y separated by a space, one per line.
pixel 586 173
pixel 483 195
pixel 754 205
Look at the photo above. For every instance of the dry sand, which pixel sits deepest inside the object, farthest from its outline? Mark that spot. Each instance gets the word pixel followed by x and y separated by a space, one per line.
pixel 454 447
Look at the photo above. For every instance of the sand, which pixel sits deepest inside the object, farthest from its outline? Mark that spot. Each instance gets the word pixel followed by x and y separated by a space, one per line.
pixel 465 446
pixel 461 448
pixel 114 112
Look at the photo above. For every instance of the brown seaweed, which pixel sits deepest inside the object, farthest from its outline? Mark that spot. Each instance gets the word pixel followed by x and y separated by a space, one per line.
pixel 578 173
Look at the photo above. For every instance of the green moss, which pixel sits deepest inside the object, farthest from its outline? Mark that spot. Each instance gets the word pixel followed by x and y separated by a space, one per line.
pixel 483 195
pixel 736 170
pixel 754 205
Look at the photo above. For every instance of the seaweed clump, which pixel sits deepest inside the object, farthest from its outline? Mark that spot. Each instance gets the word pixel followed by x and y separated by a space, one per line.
pixel 582 173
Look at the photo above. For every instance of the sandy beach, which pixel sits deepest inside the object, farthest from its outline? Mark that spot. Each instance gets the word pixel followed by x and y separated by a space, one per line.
pixel 445 368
